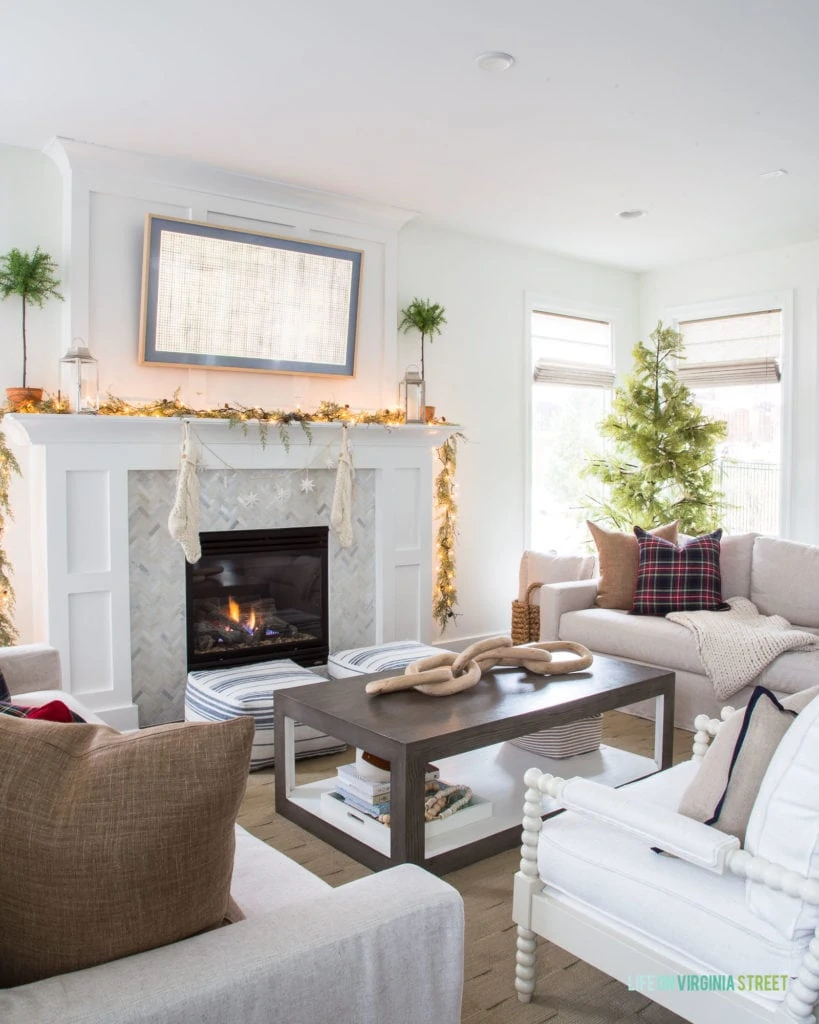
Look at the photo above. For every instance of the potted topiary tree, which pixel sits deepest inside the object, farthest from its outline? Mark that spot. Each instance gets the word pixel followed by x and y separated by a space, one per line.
pixel 427 318
pixel 32 277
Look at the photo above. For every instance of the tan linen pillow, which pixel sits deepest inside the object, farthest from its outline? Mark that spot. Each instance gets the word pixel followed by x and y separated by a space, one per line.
pixel 113 843
pixel 618 557
pixel 724 796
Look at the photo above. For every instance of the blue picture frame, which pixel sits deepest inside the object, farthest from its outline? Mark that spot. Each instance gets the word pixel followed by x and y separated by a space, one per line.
pixel 226 298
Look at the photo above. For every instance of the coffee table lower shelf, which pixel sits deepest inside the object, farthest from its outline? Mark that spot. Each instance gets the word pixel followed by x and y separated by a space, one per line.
pixel 493 773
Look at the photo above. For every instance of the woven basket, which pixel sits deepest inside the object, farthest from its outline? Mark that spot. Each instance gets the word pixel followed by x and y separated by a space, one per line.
pixel 526 619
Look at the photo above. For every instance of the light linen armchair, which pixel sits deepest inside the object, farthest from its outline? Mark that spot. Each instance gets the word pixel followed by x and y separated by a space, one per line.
pixel 387 947
pixel 591 882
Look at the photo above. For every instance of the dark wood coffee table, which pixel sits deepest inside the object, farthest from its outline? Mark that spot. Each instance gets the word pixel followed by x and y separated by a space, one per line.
pixel 464 735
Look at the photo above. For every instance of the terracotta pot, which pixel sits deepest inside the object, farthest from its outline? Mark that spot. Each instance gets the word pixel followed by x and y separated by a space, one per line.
pixel 429 413
pixel 18 397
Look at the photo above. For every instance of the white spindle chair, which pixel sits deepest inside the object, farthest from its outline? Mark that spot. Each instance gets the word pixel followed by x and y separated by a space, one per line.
pixel 662 919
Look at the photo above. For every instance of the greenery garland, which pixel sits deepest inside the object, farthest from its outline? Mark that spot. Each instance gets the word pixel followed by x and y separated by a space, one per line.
pixel 445 596
pixel 8 467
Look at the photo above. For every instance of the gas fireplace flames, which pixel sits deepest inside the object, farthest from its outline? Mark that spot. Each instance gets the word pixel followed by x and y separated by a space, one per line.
pixel 248 623
pixel 227 623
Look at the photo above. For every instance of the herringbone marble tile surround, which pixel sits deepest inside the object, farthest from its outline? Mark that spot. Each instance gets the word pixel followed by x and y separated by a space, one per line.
pixel 233 500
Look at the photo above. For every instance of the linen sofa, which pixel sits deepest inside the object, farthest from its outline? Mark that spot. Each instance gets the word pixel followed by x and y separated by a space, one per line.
pixel 780 577
pixel 388 947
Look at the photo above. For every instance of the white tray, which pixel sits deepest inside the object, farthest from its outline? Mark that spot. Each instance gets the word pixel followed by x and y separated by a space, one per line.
pixel 377 835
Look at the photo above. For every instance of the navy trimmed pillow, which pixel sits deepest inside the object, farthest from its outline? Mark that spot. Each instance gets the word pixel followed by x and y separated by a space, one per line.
pixel 673 578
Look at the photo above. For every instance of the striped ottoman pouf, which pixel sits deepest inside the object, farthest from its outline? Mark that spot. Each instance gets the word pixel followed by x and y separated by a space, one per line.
pixel 580 737
pixel 215 695
pixel 389 657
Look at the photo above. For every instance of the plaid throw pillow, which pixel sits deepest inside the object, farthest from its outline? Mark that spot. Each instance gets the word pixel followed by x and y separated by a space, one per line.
pixel 53 711
pixel 678 579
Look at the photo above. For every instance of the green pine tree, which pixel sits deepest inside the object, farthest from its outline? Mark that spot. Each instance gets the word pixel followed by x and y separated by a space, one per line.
pixel 664 447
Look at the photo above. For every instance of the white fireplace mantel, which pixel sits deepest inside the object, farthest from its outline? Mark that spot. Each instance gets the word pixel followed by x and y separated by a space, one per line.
pixel 71 547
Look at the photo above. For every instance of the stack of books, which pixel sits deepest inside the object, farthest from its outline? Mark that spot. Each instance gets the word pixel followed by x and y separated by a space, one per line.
pixel 367 795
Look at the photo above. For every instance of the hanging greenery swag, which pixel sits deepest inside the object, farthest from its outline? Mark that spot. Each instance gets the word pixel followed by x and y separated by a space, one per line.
pixel 446 594
pixel 8 468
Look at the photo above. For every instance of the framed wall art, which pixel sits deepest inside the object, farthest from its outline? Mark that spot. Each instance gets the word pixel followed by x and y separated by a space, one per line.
pixel 231 299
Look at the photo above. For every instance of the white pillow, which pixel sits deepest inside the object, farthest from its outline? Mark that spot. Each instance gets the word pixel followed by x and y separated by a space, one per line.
pixel 785 580
pixel 735 555
pixel 784 826
pixel 550 567
pixel 735 561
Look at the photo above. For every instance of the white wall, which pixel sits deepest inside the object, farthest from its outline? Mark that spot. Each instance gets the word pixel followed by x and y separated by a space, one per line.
pixel 30 215
pixel 475 369
pixel 476 376
pixel 107 194
pixel 792 268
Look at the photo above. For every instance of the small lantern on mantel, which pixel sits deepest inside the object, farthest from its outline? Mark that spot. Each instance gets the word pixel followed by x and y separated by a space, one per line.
pixel 412 396
pixel 79 378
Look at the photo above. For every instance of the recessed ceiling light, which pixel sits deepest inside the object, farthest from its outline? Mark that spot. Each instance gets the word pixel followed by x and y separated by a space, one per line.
pixel 494 60
pixel 631 214
pixel 780 172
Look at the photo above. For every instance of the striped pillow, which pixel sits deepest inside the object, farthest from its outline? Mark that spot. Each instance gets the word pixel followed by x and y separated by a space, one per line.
pixel 678 579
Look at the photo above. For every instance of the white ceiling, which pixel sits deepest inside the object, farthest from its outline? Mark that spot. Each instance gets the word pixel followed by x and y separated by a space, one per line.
pixel 673 106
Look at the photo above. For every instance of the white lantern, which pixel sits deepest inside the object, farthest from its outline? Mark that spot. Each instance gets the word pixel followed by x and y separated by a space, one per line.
pixel 412 396
pixel 79 378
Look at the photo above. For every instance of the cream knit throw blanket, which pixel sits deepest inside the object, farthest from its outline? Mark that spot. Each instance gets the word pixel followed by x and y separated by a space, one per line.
pixel 736 645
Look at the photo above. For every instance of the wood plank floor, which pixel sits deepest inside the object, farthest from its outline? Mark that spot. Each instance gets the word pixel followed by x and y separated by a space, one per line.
pixel 568 991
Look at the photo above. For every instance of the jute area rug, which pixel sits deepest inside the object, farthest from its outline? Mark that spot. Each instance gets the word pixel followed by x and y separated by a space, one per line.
pixel 568 991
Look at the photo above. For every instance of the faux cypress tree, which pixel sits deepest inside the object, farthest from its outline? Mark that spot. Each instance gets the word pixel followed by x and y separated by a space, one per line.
pixel 664 447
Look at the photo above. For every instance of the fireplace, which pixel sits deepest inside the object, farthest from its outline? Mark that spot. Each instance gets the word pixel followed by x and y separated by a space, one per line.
pixel 258 595
pixel 97 558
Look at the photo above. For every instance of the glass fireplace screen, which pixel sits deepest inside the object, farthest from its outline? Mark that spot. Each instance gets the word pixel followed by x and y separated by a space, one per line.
pixel 256 595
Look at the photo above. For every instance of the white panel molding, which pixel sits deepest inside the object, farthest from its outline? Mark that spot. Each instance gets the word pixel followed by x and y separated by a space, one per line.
pixel 208 193
pixel 112 164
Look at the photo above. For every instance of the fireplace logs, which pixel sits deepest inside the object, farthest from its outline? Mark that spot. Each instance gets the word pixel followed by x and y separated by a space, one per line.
pixel 241 626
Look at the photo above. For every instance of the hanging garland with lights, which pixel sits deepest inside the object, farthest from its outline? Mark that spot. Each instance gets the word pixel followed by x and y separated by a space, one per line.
pixel 8 467
pixel 445 596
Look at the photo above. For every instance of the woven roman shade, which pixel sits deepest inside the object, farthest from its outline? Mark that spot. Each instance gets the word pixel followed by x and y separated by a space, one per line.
pixel 578 374
pixel 763 370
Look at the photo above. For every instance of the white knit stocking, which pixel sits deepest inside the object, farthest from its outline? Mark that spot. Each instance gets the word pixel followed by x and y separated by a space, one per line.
pixel 341 514
pixel 183 522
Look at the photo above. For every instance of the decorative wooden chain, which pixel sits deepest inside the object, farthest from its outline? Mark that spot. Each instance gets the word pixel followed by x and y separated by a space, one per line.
pixel 446 673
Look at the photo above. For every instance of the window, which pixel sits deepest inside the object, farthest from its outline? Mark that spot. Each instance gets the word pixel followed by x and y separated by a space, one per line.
pixel 733 367
pixel 573 377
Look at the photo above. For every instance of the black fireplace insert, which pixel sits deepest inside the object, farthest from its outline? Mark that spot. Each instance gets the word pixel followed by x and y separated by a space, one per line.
pixel 258 595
